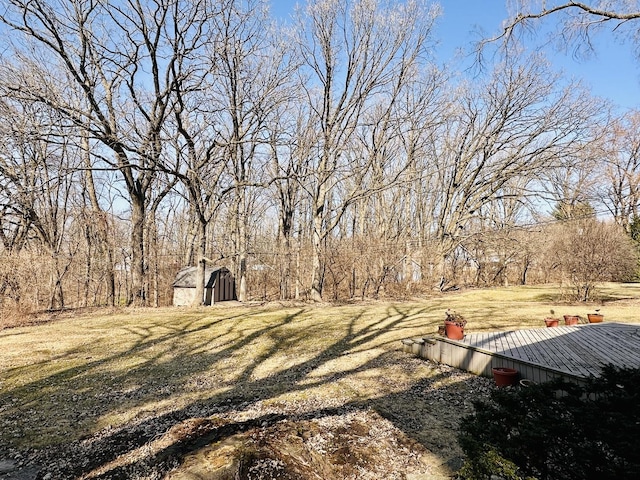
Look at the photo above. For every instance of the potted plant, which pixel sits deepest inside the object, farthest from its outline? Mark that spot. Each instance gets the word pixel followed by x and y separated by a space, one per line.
pixel 571 319
pixel 454 325
pixel 505 376
pixel 551 321
pixel 595 317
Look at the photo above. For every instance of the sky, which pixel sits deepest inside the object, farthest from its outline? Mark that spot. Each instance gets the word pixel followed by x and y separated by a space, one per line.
pixel 612 73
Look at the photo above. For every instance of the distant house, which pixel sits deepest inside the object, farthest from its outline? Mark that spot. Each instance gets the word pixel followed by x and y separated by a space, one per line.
pixel 219 286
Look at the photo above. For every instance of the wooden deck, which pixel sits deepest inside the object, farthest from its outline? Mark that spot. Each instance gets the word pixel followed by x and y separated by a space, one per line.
pixel 540 354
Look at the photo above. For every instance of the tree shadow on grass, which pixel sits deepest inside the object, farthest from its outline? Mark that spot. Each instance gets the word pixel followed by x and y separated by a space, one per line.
pixel 167 364
pixel 73 397
pixel 418 412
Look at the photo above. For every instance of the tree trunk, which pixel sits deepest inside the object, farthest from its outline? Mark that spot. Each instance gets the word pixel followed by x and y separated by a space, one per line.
pixel 102 225
pixel 152 255
pixel 242 261
pixel 286 269
pixel 138 295
pixel 198 298
pixel 88 267
pixel 56 299
pixel 298 281
pixel 241 242
pixel 317 261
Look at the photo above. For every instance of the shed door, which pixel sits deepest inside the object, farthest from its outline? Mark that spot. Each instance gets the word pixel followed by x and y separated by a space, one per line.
pixel 207 295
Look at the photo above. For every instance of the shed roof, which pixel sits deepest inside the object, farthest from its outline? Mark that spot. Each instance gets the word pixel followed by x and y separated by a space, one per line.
pixel 186 278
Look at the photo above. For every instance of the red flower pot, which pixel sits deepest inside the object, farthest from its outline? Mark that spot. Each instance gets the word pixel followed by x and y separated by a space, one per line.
pixel 551 322
pixel 504 376
pixel 595 317
pixel 453 331
pixel 571 319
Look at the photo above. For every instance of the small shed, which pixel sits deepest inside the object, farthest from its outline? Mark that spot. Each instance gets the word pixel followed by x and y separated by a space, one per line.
pixel 219 286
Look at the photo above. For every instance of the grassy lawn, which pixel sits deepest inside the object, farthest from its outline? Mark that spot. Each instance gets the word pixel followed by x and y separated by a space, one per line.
pixel 73 377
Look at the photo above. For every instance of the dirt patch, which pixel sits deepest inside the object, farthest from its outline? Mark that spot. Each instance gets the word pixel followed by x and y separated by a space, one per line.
pixel 354 445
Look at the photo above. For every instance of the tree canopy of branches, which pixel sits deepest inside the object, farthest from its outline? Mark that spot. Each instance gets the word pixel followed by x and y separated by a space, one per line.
pixel 329 156
pixel 577 22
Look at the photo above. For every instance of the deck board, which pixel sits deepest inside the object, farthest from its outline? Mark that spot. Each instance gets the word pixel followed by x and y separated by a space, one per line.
pixel 575 351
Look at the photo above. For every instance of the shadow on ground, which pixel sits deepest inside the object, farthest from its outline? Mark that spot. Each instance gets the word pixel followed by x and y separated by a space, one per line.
pixel 331 394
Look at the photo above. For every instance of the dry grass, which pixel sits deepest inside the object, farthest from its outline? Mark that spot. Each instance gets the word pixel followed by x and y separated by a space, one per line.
pixel 87 375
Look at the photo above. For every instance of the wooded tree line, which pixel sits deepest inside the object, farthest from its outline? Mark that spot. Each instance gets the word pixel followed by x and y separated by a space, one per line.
pixel 329 157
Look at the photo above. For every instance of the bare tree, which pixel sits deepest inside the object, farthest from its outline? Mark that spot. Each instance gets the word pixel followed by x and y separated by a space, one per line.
pixel 38 164
pixel 288 147
pixel 249 79
pixel 577 22
pixel 201 169
pixel 572 186
pixel 590 252
pixel 115 62
pixel 221 112
pixel 99 226
pixel 196 158
pixel 621 186
pixel 510 127
pixel 14 225
pixel 501 249
pixel 352 53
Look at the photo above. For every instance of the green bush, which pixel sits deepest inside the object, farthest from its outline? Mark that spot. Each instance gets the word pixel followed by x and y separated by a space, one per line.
pixel 557 430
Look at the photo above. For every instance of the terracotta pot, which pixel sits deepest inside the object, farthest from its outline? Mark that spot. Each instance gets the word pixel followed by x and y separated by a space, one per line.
pixel 595 317
pixel 551 322
pixel 571 319
pixel 504 376
pixel 453 331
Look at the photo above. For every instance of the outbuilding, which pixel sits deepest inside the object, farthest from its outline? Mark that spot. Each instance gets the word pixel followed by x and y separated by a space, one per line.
pixel 219 286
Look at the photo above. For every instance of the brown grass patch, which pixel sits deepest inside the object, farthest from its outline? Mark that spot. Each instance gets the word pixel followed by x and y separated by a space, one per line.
pixel 141 391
